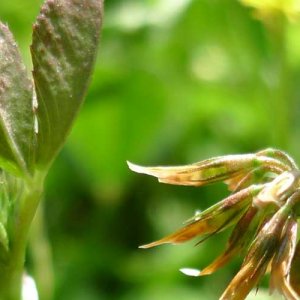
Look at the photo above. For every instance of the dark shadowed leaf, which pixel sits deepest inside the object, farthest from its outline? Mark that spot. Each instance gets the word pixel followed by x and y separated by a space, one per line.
pixel 65 39
pixel 16 112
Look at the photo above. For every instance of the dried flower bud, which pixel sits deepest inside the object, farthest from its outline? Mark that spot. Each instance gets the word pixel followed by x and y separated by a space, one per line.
pixel 264 205
pixel 277 191
pixel 281 263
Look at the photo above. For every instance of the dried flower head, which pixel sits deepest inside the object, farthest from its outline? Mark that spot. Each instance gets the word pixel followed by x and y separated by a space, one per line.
pixel 263 207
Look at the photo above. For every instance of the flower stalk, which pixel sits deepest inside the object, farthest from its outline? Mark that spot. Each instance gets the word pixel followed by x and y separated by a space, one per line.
pixel 28 200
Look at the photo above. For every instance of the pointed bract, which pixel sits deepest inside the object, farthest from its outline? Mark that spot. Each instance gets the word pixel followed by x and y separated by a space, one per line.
pixel 282 261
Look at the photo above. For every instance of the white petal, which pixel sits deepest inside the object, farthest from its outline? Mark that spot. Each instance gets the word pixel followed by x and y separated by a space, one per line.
pixel 190 272
pixel 29 290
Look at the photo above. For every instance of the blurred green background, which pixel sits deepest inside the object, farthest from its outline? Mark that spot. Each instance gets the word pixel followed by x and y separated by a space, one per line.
pixel 175 82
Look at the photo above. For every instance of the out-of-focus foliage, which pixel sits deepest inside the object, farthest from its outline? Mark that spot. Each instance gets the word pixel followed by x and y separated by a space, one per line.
pixel 270 8
pixel 174 83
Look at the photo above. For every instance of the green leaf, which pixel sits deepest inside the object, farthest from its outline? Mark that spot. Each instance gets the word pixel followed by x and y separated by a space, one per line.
pixel 64 47
pixel 16 108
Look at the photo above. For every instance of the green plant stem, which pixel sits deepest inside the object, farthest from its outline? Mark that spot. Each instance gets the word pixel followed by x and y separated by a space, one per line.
pixel 41 254
pixel 11 277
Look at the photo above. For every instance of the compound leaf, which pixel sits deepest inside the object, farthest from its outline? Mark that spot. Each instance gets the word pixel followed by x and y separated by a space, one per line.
pixel 65 39
pixel 16 108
